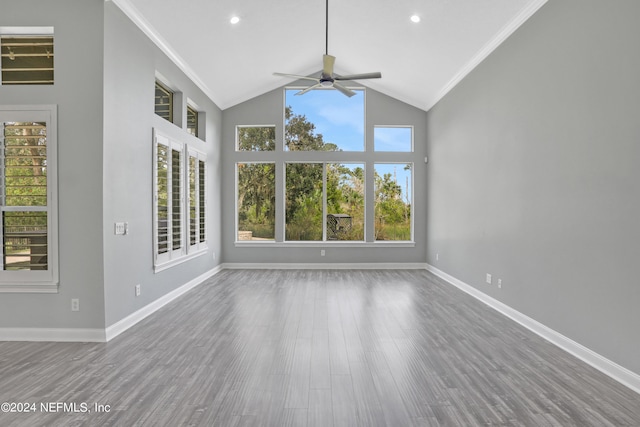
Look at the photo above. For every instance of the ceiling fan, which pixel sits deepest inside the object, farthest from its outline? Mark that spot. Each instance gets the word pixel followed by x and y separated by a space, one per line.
pixel 327 79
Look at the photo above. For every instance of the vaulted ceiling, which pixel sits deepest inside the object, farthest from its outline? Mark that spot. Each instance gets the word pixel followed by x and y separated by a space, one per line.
pixel 419 62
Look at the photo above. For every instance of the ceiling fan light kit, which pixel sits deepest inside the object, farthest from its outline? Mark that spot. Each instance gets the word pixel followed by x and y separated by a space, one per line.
pixel 327 79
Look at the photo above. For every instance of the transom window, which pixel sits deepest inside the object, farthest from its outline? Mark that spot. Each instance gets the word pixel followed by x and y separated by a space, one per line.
pixel 256 138
pixel 393 138
pixel 192 120
pixel 26 59
pixel 324 120
pixel 164 102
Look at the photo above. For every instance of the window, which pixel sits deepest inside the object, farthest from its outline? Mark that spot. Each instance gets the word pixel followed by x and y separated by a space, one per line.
pixel 304 200
pixel 324 201
pixel 256 201
pixel 164 102
pixel 197 204
pixel 310 185
pixel 26 55
pixel 179 202
pixel 28 199
pixel 393 192
pixel 393 138
pixel 192 121
pixel 168 199
pixel 256 138
pixel 324 120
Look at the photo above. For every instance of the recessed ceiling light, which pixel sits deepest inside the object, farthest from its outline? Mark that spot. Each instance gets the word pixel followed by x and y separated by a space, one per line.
pixel 415 18
pixel 234 20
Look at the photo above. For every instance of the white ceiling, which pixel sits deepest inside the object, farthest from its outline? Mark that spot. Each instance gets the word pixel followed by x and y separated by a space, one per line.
pixel 419 62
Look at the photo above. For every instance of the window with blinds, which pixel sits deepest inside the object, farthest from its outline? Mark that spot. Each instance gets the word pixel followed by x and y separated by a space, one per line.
pixel 201 200
pixel 179 208
pixel 196 189
pixel 192 120
pixel 26 60
pixel 164 102
pixel 168 194
pixel 176 199
pixel 23 196
pixel 28 199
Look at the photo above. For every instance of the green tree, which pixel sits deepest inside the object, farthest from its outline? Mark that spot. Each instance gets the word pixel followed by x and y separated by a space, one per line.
pixel 257 138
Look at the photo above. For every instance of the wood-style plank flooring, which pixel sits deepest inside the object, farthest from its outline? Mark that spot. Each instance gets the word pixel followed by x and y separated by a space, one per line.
pixel 316 348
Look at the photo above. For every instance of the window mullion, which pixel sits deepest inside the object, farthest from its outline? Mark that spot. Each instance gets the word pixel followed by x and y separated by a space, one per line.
pixel 324 201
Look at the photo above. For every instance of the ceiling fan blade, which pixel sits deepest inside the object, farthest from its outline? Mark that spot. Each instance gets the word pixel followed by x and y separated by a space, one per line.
pixel 343 90
pixel 327 64
pixel 294 76
pixel 363 76
pixel 303 91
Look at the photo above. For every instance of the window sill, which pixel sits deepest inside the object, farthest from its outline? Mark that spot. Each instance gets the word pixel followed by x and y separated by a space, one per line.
pixel 325 244
pixel 29 288
pixel 166 265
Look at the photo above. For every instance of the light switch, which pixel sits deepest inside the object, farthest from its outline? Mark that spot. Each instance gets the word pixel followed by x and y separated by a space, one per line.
pixel 121 228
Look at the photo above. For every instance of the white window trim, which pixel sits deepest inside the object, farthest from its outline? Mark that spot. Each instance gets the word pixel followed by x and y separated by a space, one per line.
pixel 237 211
pixel 238 127
pixel 160 138
pixel 384 242
pixel 394 126
pixel 24 31
pixel 200 157
pixel 38 281
pixel 186 251
pixel 369 157
pixel 325 240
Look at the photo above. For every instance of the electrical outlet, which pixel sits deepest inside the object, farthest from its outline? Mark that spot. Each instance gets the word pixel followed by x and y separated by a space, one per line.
pixel 437 256
pixel 489 280
pixel 500 283
pixel 214 256
pixel 138 290
pixel 75 304
pixel 322 252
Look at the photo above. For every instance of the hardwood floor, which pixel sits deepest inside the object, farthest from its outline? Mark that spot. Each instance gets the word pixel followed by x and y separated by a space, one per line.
pixel 315 348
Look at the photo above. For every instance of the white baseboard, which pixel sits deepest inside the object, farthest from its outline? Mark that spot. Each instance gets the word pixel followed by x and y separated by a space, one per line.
pixel 101 335
pixel 619 373
pixel 326 266
pixel 124 324
pixel 52 334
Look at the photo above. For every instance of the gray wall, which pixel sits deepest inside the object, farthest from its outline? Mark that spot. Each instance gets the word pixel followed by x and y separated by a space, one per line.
pixel 104 88
pixel 268 109
pixel 534 175
pixel 78 93
pixel 131 61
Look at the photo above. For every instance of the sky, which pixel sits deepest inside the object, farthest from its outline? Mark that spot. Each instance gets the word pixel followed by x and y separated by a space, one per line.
pixel 340 120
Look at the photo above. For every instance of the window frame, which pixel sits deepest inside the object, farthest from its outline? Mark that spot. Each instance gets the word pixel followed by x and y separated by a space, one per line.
pixel 194 111
pixel 40 281
pixel 281 156
pixel 411 193
pixel 27 32
pixel 201 201
pixel 325 211
pixel 237 208
pixel 410 127
pixel 237 137
pixel 186 251
pixel 160 85
pixel 362 89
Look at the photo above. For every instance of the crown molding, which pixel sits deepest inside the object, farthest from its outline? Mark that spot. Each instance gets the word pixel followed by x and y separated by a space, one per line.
pixel 145 26
pixel 487 49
